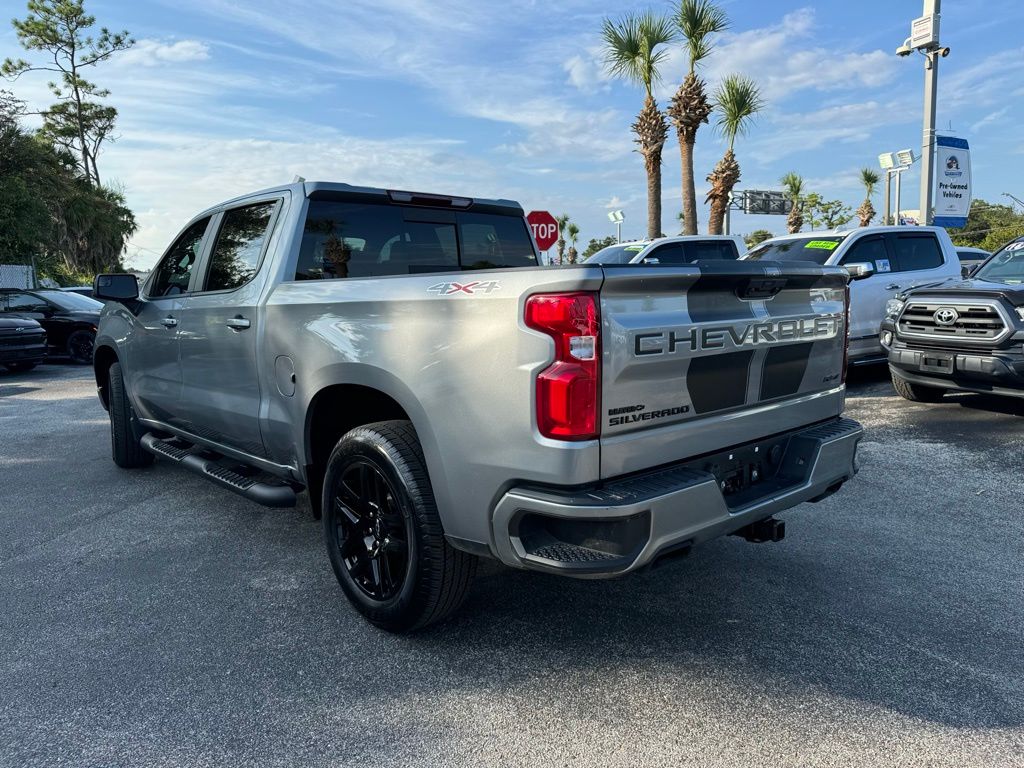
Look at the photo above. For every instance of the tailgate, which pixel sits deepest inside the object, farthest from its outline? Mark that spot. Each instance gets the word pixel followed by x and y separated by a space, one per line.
pixel 700 358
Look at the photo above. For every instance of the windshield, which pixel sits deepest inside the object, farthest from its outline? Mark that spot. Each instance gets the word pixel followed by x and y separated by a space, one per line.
pixel 1005 266
pixel 70 301
pixel 617 254
pixel 815 248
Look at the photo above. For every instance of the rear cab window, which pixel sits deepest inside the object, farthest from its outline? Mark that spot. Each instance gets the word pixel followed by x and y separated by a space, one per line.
pixel 914 252
pixel 344 239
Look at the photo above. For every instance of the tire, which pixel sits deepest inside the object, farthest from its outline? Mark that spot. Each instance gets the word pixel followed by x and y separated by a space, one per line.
pixel 915 392
pixel 80 347
pixel 19 367
pixel 378 507
pixel 125 430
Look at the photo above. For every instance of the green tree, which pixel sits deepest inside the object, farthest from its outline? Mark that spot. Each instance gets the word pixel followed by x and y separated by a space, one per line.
pixel 573 233
pixel 869 178
pixel 697 21
pixel 596 245
pixel 793 184
pixel 989 226
pixel 50 213
pixel 757 236
pixel 635 48
pixel 737 100
pixel 826 214
pixel 562 222
pixel 60 30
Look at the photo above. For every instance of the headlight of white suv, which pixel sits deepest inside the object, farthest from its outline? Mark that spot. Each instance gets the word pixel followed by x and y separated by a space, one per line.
pixel 893 307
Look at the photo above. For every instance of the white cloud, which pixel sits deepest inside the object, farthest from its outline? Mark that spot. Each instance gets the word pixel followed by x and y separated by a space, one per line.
pixel 990 118
pixel 151 53
pixel 587 71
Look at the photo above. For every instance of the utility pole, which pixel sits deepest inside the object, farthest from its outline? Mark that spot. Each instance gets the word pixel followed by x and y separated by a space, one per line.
pixel 931 89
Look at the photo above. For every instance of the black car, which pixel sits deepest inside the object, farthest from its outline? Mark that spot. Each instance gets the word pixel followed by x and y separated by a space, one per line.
pixel 69 319
pixel 965 336
pixel 22 343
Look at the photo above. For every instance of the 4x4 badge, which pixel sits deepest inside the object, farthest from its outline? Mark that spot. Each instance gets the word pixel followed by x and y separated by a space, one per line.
pixel 946 316
pixel 477 286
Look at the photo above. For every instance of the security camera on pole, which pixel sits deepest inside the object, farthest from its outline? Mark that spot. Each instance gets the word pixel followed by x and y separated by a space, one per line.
pixel 924 38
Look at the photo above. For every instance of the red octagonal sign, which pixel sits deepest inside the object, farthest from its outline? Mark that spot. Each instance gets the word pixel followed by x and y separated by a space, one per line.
pixel 545 228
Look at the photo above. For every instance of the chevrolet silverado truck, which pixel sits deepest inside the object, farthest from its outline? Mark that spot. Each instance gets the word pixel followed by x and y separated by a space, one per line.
pixel 965 336
pixel 406 360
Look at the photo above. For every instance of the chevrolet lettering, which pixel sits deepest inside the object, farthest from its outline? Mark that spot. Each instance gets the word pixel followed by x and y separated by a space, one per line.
pixel 695 339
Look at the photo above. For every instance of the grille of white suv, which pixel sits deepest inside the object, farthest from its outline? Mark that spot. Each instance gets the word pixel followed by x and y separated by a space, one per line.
pixel 980 322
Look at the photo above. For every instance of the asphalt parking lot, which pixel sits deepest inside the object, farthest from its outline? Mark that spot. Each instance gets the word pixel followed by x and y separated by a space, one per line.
pixel 150 619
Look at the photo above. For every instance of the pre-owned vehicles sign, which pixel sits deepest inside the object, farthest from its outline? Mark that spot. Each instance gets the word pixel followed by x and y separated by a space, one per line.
pixel 952 181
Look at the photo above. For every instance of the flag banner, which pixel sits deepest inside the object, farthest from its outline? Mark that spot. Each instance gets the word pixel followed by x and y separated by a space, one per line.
pixel 952 181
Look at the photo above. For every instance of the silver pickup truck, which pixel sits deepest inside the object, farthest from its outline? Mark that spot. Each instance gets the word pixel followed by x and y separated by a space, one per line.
pixel 405 359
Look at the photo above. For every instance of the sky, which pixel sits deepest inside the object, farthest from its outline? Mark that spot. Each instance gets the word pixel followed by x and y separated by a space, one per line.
pixel 510 99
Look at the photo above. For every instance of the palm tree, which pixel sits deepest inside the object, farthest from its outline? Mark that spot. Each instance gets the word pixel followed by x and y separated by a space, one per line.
pixel 634 49
pixel 869 178
pixel 562 221
pixel 793 183
pixel 574 233
pixel 737 100
pixel 697 20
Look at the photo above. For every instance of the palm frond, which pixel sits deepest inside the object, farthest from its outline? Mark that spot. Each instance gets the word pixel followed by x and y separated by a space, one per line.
pixel 697 20
pixel 869 177
pixel 737 100
pixel 634 46
pixel 793 183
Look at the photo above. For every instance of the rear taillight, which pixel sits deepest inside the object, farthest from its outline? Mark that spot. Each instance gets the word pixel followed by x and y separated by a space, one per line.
pixel 846 333
pixel 568 390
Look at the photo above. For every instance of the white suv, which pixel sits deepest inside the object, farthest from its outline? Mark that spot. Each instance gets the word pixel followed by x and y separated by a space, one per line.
pixel 682 249
pixel 897 258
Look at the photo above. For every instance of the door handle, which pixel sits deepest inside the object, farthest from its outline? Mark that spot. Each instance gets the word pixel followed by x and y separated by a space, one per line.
pixel 169 322
pixel 892 287
pixel 237 323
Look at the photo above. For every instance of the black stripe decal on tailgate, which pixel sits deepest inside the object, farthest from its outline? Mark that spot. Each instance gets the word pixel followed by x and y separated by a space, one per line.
pixel 716 382
pixel 784 369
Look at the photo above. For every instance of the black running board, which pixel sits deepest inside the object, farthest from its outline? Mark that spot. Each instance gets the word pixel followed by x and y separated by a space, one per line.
pixel 269 494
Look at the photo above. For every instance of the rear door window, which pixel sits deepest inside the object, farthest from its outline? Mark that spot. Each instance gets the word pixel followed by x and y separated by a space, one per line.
pixel 174 271
pixel 350 239
pixel 709 250
pixel 916 252
pixel 239 246
pixel 666 253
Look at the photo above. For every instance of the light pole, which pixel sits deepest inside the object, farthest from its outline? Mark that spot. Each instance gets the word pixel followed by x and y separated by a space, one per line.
pixel 617 218
pixel 924 38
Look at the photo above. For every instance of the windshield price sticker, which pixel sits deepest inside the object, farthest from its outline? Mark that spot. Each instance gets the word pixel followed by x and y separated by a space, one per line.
pixel 825 245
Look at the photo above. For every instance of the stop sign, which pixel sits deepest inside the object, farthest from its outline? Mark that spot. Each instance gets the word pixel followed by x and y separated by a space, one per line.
pixel 545 228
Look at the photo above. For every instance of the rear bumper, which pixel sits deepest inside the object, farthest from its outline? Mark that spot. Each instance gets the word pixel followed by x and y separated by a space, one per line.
pixel 624 524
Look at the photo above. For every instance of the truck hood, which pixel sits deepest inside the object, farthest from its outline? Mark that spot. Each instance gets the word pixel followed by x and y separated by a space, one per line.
pixel 13 323
pixel 970 288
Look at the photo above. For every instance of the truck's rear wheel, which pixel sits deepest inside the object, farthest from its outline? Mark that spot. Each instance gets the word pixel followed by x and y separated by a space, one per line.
pixel 125 430
pixel 916 392
pixel 383 532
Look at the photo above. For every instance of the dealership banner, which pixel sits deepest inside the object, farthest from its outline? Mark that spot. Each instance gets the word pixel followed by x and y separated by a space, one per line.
pixel 952 181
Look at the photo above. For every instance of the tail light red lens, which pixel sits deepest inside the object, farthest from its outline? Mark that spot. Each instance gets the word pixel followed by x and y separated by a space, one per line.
pixel 568 390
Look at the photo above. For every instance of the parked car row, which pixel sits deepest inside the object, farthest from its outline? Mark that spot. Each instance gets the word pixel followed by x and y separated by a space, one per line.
pixel 68 321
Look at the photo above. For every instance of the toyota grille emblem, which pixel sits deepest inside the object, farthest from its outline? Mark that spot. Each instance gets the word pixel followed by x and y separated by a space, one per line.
pixel 946 315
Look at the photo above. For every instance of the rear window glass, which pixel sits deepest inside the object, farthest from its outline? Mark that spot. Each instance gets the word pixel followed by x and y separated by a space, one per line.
pixel 914 252
pixel 347 239
pixel 710 250
pixel 811 248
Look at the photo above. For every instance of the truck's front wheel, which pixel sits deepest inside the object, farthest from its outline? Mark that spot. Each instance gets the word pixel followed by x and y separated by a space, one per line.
pixel 125 430
pixel 915 392
pixel 384 534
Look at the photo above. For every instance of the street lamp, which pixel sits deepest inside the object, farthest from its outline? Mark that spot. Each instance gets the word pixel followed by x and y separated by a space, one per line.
pixel 924 38
pixel 894 164
pixel 616 218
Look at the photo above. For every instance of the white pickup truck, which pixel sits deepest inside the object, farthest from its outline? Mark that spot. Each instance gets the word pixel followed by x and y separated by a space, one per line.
pixel 898 258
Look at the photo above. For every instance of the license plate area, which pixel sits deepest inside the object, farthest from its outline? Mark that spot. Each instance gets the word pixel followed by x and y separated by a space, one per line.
pixel 937 362
pixel 746 472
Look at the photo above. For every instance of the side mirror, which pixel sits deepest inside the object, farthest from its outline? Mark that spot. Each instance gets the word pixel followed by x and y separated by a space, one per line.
pixel 651 260
pixel 116 287
pixel 860 270
pixel 965 272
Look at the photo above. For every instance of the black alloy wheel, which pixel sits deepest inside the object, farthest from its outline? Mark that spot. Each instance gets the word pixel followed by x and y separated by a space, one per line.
pixel 370 533
pixel 80 346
